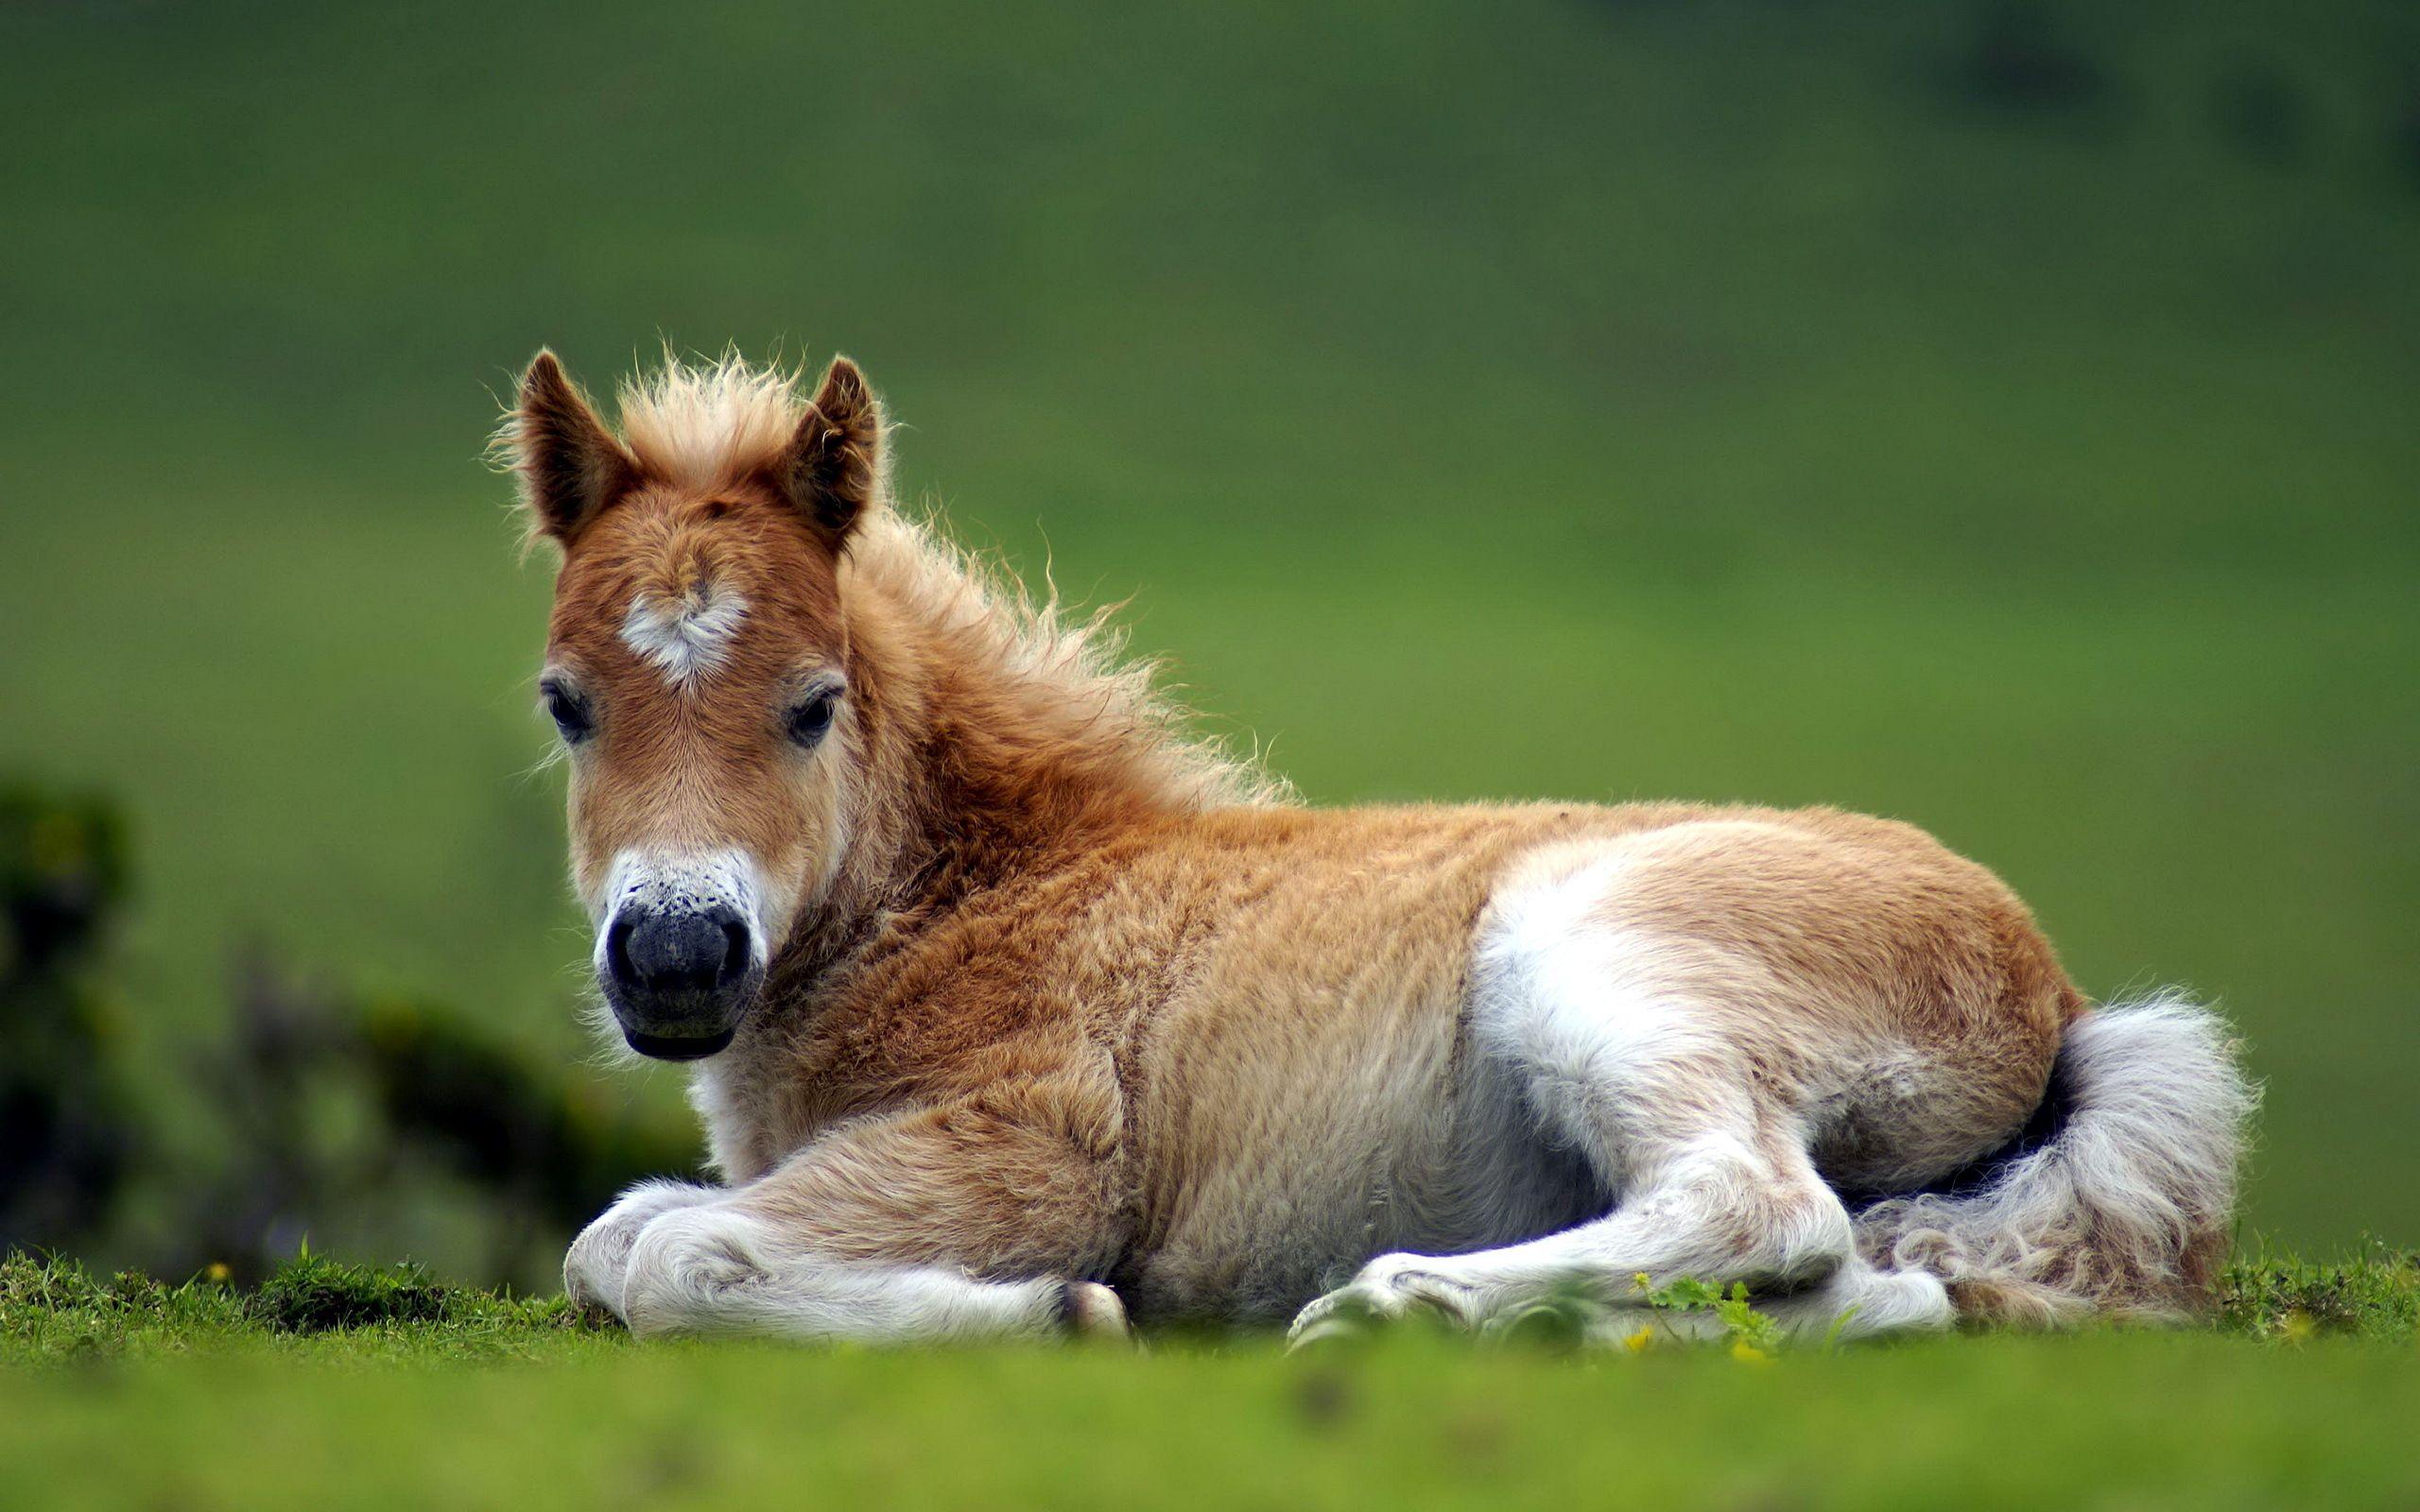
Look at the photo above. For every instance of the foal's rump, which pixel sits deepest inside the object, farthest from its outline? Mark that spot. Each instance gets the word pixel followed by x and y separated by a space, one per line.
pixel 1743 1009
pixel 2116 1201
pixel 1891 1001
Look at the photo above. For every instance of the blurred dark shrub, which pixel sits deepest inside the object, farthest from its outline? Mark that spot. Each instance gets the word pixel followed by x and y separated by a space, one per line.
pixel 2403 128
pixel 329 1107
pixel 2259 112
pixel 66 1134
pixel 2019 56
pixel 543 1150
pixel 551 1144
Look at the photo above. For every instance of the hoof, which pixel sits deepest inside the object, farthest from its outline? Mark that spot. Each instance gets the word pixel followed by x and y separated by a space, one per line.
pixel 1092 1310
pixel 1388 1288
pixel 1351 1312
pixel 1331 1333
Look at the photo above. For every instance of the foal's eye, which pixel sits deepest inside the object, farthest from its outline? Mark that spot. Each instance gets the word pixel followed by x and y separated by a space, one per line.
pixel 810 719
pixel 568 710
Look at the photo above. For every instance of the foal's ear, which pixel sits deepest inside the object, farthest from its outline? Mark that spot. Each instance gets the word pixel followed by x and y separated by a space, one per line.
pixel 832 468
pixel 569 464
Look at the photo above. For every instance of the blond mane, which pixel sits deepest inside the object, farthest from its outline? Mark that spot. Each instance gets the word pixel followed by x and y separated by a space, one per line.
pixel 710 424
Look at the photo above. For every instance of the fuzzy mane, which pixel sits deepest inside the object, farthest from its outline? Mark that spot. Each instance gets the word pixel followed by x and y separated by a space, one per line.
pixel 706 426
pixel 709 424
pixel 1073 667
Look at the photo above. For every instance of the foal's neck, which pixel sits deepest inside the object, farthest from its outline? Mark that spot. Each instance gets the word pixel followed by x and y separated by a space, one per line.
pixel 976 772
pixel 1003 775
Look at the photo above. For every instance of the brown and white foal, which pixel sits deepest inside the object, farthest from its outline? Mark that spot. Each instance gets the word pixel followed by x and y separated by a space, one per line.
pixel 1011 1010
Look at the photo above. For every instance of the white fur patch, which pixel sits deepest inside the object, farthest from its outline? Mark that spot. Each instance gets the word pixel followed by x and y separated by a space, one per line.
pixel 718 1267
pixel 693 882
pixel 1590 1017
pixel 685 638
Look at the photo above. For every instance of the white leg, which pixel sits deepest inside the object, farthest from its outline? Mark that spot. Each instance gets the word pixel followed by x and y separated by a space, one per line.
pixel 595 1265
pixel 1859 1301
pixel 721 1270
pixel 1856 1302
pixel 1719 1212
pixel 1618 1041
pixel 873 1233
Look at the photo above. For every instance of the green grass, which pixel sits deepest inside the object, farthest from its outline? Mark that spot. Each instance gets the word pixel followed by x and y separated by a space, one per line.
pixel 57 1312
pixel 2301 1396
pixel 1556 399
pixel 2374 1295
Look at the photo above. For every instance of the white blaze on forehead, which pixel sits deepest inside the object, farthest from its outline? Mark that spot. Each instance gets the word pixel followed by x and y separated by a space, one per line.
pixel 688 637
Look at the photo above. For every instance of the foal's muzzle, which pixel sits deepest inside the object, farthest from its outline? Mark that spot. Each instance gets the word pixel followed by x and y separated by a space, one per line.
pixel 680 977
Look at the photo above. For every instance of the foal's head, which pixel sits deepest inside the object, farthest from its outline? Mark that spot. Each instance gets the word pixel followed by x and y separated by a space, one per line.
pixel 697 668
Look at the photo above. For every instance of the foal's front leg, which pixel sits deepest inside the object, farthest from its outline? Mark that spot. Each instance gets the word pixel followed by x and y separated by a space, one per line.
pixel 722 1269
pixel 598 1259
pixel 944 1224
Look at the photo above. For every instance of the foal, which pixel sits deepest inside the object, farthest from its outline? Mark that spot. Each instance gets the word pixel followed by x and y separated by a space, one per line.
pixel 1011 1011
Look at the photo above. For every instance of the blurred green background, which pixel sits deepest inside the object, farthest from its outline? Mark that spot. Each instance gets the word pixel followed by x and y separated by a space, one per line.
pixel 2002 417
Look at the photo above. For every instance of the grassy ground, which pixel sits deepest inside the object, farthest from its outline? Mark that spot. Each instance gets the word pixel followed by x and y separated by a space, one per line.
pixel 381 1389
pixel 1723 401
pixel 1839 403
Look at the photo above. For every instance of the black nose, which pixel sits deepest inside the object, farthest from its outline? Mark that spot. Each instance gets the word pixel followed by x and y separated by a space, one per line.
pixel 678 954
pixel 678 980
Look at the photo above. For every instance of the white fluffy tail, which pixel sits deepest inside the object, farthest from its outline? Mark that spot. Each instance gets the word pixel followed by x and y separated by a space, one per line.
pixel 2125 1211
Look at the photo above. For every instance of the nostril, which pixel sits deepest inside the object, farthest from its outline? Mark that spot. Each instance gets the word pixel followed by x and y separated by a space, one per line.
pixel 617 949
pixel 735 951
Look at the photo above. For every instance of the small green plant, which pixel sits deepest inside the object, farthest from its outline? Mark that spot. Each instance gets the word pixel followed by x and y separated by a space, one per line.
pixel 1753 1335
pixel 1576 1317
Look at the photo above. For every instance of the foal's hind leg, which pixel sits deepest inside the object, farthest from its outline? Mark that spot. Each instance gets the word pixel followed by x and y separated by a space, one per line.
pixel 1628 1049
pixel 1718 1204
pixel 1861 1300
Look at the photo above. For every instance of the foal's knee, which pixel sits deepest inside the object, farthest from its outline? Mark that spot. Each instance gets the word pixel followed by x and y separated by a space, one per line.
pixel 1807 1237
pixel 682 1268
pixel 1747 1223
pixel 595 1264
